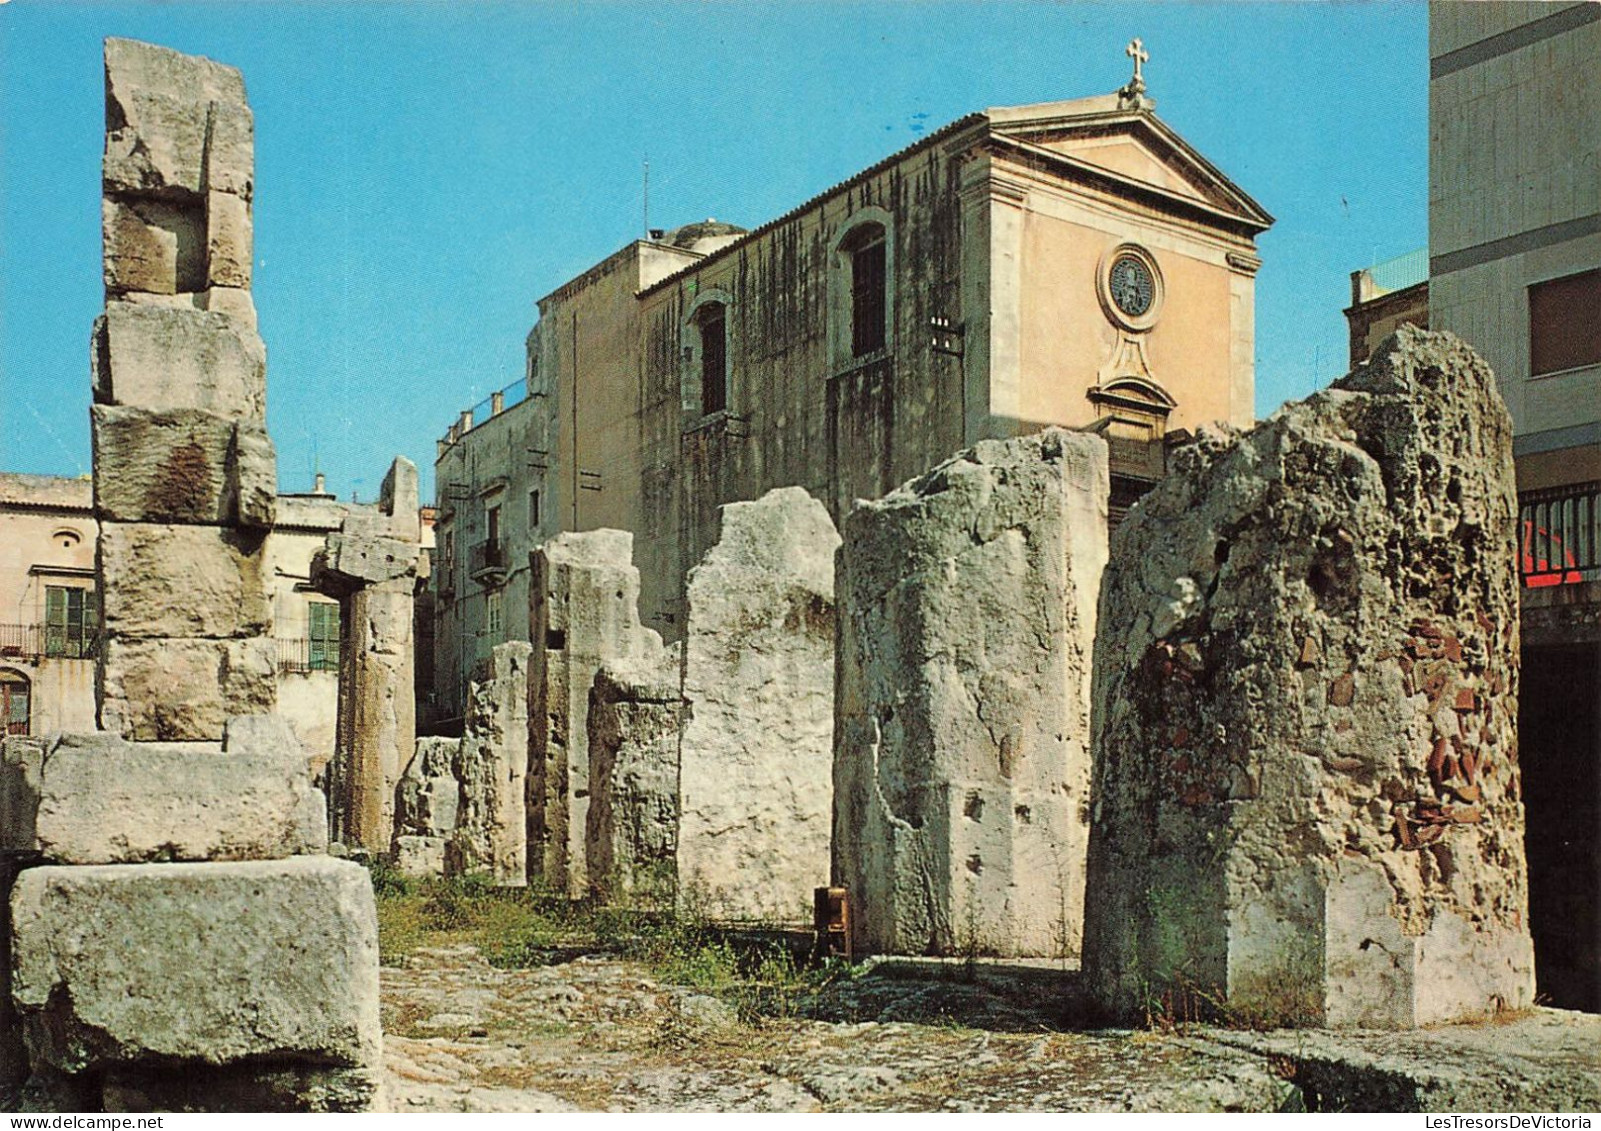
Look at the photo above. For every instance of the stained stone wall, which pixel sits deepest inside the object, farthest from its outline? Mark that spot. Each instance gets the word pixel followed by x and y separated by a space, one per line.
pixel 756 761
pixel 632 832
pixel 961 743
pixel 1307 787
pixel 185 477
pixel 583 611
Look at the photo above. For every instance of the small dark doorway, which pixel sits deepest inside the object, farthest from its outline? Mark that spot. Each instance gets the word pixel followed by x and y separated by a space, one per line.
pixel 1559 748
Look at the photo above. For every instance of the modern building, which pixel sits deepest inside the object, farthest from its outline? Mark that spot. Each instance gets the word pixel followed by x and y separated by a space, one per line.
pixel 1068 263
pixel 1515 269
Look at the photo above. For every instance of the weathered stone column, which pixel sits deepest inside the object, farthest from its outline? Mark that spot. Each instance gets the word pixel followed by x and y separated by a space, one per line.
pixel 632 825
pixel 583 611
pixel 756 762
pixel 370 565
pixel 1306 804
pixel 961 746
pixel 491 828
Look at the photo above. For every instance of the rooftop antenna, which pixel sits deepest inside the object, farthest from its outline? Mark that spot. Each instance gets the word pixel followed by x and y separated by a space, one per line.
pixel 647 196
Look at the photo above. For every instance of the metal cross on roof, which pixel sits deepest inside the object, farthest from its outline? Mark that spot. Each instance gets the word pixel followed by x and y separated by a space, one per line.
pixel 1136 51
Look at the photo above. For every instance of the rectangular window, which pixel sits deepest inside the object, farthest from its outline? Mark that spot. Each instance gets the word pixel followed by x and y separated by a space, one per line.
pixel 867 300
pixel 322 623
pixel 70 622
pixel 713 361
pixel 533 511
pixel 1565 323
pixel 492 615
pixel 492 522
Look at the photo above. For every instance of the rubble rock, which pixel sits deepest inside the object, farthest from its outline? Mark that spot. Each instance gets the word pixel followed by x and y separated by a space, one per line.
pixel 95 799
pixel 122 966
pixel 178 690
pixel 177 581
pixel 961 747
pixel 632 830
pixel 420 856
pixel 491 829
pixel 161 357
pixel 756 785
pixel 428 800
pixel 1307 786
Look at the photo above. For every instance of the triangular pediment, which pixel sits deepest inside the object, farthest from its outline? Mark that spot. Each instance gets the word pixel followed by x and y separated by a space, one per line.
pixel 1127 145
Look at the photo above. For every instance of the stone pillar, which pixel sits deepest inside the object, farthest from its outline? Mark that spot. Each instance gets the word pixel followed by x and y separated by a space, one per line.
pixel 583 611
pixel 178 940
pixel 1306 804
pixel 491 828
pixel 632 824
pixel 370 565
pixel 756 780
pixel 185 476
pixel 961 744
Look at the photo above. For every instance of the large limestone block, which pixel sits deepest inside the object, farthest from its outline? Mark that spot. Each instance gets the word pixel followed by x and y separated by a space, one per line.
pixel 162 357
pixel 206 965
pixel 184 465
pixel 631 830
pixel 583 611
pixel 199 581
pixel 1307 788
pixel 176 124
pixel 228 240
pixel 756 784
pixel 179 690
pixel 96 799
pixel 961 748
pixel 352 559
pixel 153 246
pixel 491 831
pixel 428 799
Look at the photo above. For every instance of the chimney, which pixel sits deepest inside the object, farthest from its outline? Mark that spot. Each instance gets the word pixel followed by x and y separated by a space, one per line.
pixel 497 403
pixel 319 484
pixel 466 424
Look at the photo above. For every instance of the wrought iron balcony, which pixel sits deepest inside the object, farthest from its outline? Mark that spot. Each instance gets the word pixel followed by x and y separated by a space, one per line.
pixel 30 643
pixel 1558 531
pixel 486 561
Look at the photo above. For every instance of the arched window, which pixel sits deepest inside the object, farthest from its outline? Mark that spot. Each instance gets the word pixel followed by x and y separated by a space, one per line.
pixel 869 305
pixel 862 287
pixel 713 321
pixel 14 702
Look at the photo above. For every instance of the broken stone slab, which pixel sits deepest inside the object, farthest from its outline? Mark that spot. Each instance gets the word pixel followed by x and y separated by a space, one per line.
pixel 182 466
pixel 967 604
pixel 420 856
pixel 632 826
pixel 184 690
pixel 154 246
pixel 96 799
pixel 162 357
pixel 428 799
pixel 756 769
pixel 262 964
pixel 583 611
pixel 1307 797
pixel 176 125
pixel 162 580
pixel 491 829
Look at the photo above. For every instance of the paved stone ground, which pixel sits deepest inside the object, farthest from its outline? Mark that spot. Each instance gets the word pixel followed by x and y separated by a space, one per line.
pixel 595 1033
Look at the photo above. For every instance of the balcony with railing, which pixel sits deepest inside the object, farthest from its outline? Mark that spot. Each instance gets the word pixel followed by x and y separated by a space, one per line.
pixel 486 561
pixel 302 655
pixel 31 643
pixel 1559 528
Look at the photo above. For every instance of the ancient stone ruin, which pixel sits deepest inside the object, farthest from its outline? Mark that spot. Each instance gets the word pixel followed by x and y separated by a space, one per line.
pixel 1307 787
pixel 961 744
pixel 756 770
pixel 370 566
pixel 178 940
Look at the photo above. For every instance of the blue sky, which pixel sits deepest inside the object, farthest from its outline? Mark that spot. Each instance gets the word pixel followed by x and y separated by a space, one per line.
pixel 426 171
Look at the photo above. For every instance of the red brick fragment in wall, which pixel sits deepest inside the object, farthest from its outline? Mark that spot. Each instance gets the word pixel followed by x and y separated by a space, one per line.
pixel 1342 690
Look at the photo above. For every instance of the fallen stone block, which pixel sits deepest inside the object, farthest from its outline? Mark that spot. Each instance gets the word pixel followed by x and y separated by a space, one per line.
pixel 420 856
pixel 163 580
pixel 96 799
pixel 967 604
pixel 162 357
pixel 1307 795
pixel 175 124
pixel 263 964
pixel 182 466
pixel 632 826
pixel 179 690
pixel 756 773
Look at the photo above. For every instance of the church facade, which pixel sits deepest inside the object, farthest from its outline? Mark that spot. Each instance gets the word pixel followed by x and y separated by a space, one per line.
pixel 1066 263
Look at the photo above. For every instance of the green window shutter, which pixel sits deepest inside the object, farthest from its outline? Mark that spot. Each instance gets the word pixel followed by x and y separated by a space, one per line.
pixel 55 620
